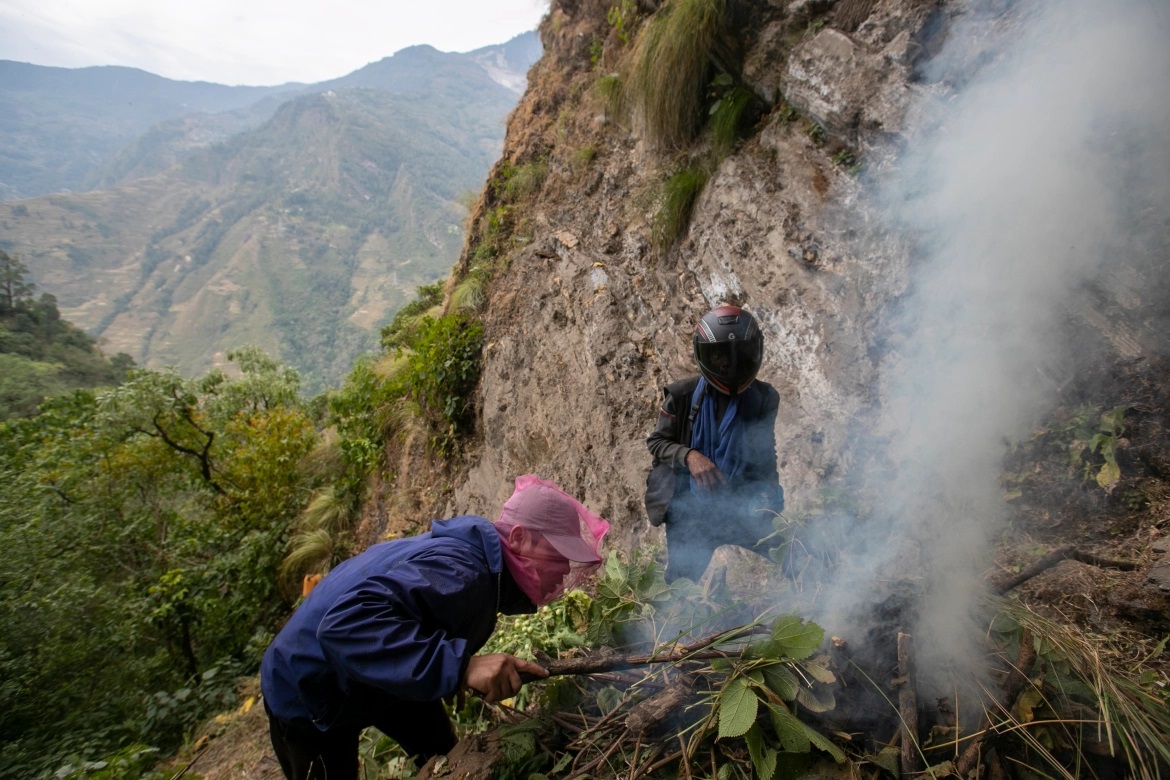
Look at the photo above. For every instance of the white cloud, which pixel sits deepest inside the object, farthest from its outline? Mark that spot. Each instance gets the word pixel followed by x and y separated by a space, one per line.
pixel 250 41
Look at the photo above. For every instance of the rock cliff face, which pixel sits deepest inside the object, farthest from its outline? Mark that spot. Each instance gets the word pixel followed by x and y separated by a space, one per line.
pixel 590 320
pixel 903 147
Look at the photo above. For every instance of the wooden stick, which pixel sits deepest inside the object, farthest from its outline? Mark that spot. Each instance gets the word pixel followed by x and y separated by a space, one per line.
pixel 1012 688
pixel 609 662
pixel 908 705
pixel 659 764
pixel 597 761
pixel 1055 557
pixel 654 751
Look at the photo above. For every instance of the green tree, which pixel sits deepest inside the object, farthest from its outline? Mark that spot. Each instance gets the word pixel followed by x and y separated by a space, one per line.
pixel 140 530
pixel 13 288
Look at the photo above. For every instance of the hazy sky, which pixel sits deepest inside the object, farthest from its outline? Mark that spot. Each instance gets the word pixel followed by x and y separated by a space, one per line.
pixel 257 42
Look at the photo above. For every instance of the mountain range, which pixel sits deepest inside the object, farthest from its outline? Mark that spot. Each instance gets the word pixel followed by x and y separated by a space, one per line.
pixel 175 221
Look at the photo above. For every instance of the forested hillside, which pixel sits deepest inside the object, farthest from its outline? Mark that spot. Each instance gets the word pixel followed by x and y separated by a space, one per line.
pixel 951 220
pixel 299 223
pixel 42 355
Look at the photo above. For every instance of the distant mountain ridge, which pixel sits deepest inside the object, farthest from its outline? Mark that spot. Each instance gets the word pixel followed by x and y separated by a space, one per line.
pixel 60 125
pixel 300 222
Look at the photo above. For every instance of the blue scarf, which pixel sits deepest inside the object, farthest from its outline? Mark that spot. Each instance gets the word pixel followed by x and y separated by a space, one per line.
pixel 718 441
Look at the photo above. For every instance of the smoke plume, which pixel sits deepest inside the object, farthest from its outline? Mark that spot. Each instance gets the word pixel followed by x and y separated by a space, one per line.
pixel 1043 169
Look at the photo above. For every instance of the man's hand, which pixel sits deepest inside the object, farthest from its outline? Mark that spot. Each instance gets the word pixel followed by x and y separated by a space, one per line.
pixel 497 676
pixel 706 474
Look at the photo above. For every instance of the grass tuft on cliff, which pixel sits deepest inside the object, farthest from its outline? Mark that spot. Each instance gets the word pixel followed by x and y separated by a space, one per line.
pixel 668 73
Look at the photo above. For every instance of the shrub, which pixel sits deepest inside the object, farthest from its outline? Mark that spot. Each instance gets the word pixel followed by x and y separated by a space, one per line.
pixel 524 180
pixel 443 371
pixel 608 89
pixel 401 329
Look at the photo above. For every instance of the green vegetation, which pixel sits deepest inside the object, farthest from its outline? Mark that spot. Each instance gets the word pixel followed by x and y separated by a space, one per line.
pixel 42 355
pixel 1090 438
pixel 1087 695
pixel 583 158
pixel 669 73
pixel 443 371
pixel 608 89
pixel 403 329
pixel 140 531
pixel 675 203
pixel 525 180
pixel 1101 440
pixel 622 17
pixel 816 133
pixel 730 113
pixel 320 249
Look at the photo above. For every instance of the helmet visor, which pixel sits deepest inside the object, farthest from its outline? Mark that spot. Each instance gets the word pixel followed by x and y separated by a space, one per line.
pixel 732 364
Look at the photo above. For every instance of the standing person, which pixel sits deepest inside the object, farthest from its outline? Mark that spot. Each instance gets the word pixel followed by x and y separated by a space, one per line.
pixel 390 633
pixel 714 479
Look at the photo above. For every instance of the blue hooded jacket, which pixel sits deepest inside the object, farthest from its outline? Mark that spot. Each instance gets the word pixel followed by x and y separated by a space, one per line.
pixel 399 622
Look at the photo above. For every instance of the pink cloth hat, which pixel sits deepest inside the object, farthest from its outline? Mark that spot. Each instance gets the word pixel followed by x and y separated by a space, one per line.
pixel 575 532
pixel 543 507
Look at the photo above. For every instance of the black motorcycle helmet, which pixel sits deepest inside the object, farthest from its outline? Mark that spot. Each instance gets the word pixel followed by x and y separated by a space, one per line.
pixel 729 348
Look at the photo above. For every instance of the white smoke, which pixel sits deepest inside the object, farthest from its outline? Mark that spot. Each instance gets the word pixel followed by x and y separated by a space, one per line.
pixel 1033 180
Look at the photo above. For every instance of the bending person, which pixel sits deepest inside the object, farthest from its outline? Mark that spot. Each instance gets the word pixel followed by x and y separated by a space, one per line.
pixel 390 633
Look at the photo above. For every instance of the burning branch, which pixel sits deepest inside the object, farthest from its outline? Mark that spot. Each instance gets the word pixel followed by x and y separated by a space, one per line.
pixel 610 662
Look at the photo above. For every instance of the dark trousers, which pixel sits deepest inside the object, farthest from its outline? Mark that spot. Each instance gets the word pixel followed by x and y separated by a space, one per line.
pixel 422 730
pixel 694 530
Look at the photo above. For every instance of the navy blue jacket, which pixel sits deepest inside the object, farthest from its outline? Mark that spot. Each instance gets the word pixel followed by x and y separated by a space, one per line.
pixel 397 623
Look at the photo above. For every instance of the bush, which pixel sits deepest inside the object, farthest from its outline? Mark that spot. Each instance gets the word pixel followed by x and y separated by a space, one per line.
pixel 443 371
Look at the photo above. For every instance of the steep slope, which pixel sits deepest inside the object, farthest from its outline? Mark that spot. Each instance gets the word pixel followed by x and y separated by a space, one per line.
pixel 589 317
pixel 934 295
pixel 951 219
pixel 79 129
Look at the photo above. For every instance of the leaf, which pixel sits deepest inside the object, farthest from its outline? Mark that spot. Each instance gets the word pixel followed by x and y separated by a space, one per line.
pixel 763 758
pixel 765 648
pixel 816 699
pixel 781 680
pixel 945 769
pixel 737 709
pixel 888 759
pixel 788 729
pixel 564 761
pixel 796 736
pixel 796 638
pixel 819 671
pixel 1027 703
pixel 608 699
pixel 1110 474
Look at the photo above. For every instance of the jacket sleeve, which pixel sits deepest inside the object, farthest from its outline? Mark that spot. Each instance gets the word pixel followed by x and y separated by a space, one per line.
pixel 661 441
pixel 403 631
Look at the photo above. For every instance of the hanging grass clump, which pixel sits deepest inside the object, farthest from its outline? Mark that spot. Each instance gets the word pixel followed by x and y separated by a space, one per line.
pixel 669 72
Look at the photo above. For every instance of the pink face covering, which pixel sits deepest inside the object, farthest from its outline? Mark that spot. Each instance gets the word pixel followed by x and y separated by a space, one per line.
pixel 572 536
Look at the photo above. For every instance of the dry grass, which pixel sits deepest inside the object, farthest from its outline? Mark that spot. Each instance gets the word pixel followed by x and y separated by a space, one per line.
pixel 1131 702
pixel 668 75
